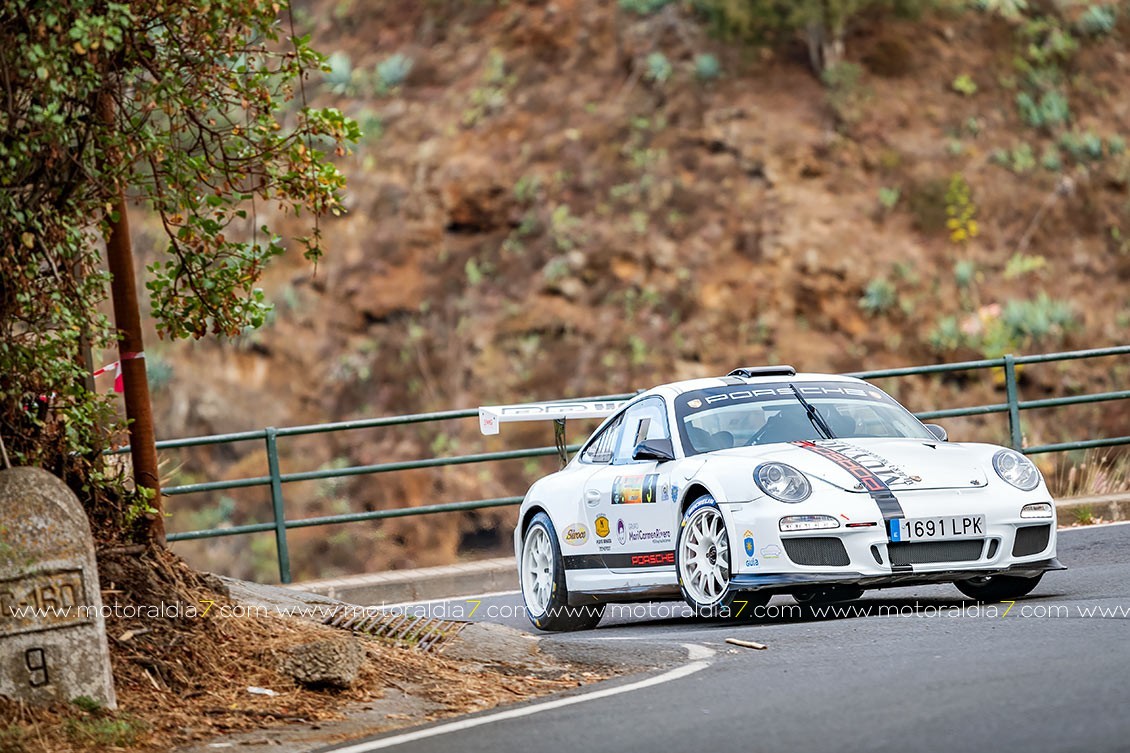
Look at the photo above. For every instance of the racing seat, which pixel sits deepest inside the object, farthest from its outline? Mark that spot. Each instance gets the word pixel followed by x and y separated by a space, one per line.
pixel 699 439
pixel 722 440
pixel 706 441
pixel 788 425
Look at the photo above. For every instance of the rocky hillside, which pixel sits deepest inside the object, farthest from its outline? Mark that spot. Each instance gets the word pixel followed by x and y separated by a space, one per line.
pixel 575 198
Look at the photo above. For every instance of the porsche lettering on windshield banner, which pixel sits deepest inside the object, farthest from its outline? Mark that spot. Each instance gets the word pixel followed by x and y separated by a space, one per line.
pixel 713 397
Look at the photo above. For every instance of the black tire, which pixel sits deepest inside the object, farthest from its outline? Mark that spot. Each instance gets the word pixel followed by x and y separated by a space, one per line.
pixel 714 600
pixel 828 595
pixel 548 585
pixel 998 587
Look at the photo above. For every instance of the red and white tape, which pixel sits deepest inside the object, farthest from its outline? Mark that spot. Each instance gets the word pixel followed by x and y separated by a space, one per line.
pixel 116 366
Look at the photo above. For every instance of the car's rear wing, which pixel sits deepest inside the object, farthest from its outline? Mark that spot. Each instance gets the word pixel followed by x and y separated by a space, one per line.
pixel 491 416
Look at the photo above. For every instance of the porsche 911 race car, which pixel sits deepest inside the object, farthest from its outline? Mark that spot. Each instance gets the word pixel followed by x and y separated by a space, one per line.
pixel 765 482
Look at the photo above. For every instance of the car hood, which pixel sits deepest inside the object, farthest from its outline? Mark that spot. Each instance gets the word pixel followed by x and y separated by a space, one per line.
pixel 902 464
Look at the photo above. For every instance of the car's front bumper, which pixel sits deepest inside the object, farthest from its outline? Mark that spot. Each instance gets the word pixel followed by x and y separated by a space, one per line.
pixel 790 582
pixel 859 552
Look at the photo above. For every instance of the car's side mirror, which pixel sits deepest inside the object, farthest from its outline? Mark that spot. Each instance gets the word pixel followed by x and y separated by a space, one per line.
pixel 938 432
pixel 654 449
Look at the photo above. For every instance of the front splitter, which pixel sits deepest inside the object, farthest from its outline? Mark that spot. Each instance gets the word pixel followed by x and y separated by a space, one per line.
pixel 786 582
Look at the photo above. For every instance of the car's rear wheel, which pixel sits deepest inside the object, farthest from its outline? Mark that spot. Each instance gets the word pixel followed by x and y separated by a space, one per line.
pixel 702 561
pixel 542 572
pixel 998 587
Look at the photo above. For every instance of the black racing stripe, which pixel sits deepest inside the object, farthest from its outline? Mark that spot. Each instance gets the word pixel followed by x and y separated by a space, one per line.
pixel 620 561
pixel 884 498
pixel 888 504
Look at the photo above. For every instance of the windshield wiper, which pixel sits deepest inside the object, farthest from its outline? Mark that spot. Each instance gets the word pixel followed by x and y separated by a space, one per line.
pixel 813 414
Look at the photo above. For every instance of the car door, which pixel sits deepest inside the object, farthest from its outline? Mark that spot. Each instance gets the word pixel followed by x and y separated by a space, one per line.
pixel 630 502
pixel 579 534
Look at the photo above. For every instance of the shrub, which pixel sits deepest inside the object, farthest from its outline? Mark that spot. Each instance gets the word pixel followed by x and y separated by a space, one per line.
pixel 964 84
pixel 879 296
pixel 158 370
pixel 1020 159
pixel 1038 318
pixel 844 77
pixel 658 68
pixel 1083 147
pixel 1049 112
pixel 1048 43
pixel 339 73
pixel 845 91
pixel 1097 20
pixel 707 67
pixel 946 335
pixel 961 211
pixel 644 7
pixel 965 273
pixel 889 197
pixel 1051 160
pixel 1023 159
pixel 995 330
pixel 104 733
pixel 1012 10
pixel 393 71
pixel 1021 264
pixel 492 94
pixel 565 229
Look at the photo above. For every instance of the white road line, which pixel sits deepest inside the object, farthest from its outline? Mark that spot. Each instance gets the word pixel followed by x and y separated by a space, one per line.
pixel 465 724
pixel 696 652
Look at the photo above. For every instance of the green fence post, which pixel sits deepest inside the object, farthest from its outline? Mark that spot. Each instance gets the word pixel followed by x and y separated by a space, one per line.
pixel 277 504
pixel 1013 403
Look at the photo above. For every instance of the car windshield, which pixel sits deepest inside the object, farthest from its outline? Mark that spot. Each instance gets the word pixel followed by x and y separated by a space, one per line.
pixel 718 418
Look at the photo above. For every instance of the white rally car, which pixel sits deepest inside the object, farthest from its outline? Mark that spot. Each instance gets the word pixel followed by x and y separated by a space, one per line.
pixel 766 481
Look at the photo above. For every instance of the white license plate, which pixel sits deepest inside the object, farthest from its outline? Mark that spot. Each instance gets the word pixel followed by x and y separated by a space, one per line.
pixel 945 527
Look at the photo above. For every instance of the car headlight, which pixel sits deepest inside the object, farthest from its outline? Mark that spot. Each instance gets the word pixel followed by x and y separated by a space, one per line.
pixel 782 482
pixel 1016 469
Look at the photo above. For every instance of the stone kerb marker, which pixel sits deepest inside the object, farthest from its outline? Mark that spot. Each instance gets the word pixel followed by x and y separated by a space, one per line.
pixel 52 630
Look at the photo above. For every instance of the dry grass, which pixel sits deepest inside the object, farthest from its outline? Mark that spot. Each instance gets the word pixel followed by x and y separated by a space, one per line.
pixel 1100 472
pixel 182 680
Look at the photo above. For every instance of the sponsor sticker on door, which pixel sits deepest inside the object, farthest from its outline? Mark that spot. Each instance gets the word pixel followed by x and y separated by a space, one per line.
pixel 576 534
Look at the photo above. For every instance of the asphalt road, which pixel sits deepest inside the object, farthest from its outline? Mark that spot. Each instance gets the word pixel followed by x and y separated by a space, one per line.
pixel 935 672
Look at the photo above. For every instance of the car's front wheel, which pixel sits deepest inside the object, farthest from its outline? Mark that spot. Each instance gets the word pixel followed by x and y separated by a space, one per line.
pixel 542 572
pixel 998 587
pixel 702 561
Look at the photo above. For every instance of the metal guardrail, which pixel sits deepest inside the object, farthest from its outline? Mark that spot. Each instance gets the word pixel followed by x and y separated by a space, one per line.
pixel 275 478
